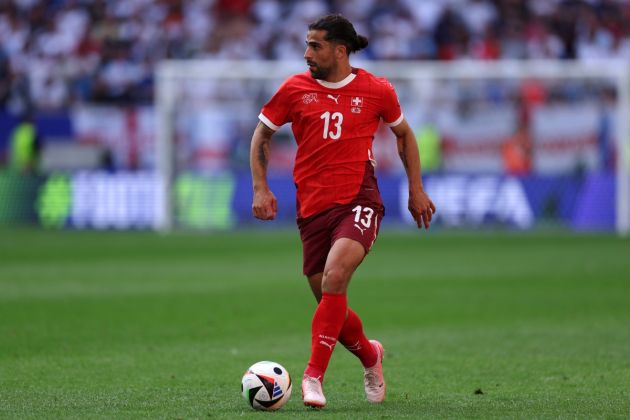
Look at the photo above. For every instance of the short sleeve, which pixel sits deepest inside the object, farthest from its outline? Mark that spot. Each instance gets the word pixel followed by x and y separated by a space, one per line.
pixel 276 112
pixel 391 113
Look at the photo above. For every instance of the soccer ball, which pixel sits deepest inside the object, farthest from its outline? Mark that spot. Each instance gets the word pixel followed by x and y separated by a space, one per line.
pixel 266 386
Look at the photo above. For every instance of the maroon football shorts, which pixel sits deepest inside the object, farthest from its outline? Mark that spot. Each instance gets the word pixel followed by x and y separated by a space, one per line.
pixel 358 221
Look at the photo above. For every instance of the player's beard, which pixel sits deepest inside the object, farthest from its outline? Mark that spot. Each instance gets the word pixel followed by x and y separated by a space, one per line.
pixel 318 72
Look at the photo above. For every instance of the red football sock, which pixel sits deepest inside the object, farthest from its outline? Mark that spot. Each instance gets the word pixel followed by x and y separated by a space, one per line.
pixel 353 338
pixel 327 322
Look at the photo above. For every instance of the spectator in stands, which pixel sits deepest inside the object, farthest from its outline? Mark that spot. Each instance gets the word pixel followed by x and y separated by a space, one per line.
pixel 65 51
pixel 605 139
pixel 517 148
pixel 5 79
pixel 429 139
pixel 24 146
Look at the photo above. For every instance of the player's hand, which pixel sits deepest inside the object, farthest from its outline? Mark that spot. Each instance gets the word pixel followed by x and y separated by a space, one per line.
pixel 265 205
pixel 421 208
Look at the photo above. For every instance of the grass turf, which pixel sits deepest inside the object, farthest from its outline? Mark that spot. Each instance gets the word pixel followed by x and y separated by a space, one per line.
pixel 127 325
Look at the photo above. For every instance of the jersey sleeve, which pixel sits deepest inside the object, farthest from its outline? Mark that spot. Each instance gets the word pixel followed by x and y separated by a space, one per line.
pixel 276 112
pixel 391 113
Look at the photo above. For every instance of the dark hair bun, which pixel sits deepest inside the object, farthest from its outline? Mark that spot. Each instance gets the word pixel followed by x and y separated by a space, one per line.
pixel 340 30
pixel 361 43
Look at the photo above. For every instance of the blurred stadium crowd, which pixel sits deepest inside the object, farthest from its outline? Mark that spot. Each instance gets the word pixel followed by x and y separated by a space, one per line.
pixel 55 53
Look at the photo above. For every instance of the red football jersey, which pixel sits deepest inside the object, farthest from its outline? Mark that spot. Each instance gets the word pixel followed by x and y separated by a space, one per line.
pixel 334 126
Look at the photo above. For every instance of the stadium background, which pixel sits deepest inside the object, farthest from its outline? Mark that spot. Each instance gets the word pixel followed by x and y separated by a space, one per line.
pixel 515 304
pixel 83 75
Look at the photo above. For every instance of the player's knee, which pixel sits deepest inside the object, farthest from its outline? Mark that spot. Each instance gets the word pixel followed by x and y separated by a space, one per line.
pixel 335 280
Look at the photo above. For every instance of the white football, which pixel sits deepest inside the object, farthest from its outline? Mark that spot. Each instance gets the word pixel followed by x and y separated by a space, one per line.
pixel 266 386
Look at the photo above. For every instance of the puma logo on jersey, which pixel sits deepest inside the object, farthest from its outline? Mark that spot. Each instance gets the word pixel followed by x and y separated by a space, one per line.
pixel 330 346
pixel 359 227
pixel 334 98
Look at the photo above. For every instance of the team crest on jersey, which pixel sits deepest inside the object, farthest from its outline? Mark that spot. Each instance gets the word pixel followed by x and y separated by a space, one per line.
pixel 309 98
pixel 356 101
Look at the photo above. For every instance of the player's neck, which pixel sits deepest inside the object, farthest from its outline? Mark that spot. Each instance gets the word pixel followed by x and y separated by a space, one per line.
pixel 340 74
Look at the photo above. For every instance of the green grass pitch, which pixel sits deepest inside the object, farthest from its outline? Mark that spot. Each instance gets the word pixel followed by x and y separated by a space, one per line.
pixel 137 325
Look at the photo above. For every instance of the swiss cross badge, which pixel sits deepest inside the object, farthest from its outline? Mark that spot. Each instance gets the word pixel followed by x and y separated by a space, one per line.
pixel 356 101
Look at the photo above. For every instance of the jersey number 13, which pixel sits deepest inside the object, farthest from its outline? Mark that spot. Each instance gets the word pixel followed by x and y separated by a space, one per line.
pixel 335 119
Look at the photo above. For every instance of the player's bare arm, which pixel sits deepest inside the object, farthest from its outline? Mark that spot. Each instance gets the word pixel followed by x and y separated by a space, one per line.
pixel 264 204
pixel 420 205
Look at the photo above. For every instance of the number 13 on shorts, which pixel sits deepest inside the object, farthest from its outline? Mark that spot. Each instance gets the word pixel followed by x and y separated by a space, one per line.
pixel 363 215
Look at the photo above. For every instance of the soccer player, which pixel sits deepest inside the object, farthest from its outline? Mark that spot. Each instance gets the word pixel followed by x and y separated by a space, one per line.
pixel 334 110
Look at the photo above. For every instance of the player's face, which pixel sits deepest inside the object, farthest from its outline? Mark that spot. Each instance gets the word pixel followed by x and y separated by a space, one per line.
pixel 320 55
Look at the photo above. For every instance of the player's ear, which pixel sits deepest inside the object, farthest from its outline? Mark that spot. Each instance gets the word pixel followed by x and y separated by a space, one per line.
pixel 341 51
